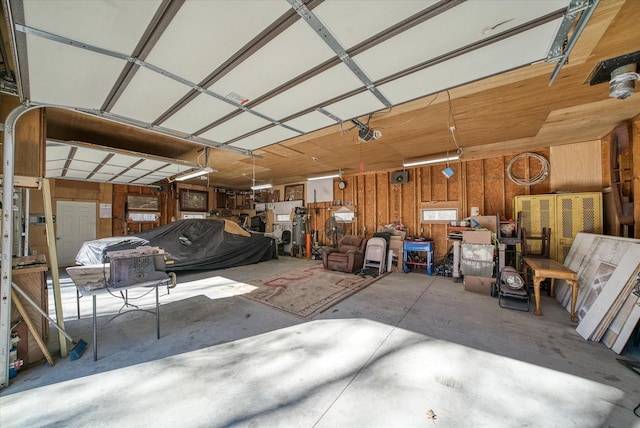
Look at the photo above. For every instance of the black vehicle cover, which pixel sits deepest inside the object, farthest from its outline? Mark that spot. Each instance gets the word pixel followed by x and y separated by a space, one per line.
pixel 191 244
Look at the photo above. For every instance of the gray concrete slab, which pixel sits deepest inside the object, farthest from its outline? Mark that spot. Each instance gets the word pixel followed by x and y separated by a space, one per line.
pixel 406 347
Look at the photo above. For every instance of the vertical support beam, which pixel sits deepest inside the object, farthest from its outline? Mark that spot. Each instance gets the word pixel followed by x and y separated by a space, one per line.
pixel 418 201
pixel 463 201
pixel 484 182
pixel 53 264
pixel 7 242
pixel 503 204
pixel 635 162
pixel 27 211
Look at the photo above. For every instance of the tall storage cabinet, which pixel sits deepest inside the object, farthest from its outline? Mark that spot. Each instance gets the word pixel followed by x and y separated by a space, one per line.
pixel 566 214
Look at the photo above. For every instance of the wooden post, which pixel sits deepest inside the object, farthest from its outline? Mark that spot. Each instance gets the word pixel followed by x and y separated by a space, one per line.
pixel 53 262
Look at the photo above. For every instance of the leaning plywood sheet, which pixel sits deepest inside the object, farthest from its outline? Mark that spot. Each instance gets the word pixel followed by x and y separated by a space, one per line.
pixel 627 329
pixel 622 321
pixel 617 309
pixel 594 258
pixel 608 292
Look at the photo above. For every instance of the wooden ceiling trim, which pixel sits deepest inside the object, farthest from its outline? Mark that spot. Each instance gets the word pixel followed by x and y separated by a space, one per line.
pixel 66 125
pixel 280 151
pixel 567 124
pixel 258 42
pixel 161 20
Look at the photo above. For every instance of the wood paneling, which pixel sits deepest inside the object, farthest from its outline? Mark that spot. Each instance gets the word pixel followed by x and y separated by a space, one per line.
pixel 635 157
pixel 577 167
pixel 29 136
pixel 482 183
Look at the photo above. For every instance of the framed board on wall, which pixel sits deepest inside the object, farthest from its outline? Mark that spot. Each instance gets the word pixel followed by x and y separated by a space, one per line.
pixel 193 200
pixel 294 192
pixel 142 203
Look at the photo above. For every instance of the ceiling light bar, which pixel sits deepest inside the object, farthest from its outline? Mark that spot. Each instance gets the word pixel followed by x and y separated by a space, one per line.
pixel 433 159
pixel 262 186
pixel 323 177
pixel 192 173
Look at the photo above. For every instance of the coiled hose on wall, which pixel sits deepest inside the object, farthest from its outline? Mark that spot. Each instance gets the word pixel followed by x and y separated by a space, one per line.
pixel 538 178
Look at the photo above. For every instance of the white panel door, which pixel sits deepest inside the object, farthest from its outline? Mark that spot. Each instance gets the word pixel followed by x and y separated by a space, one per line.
pixel 75 224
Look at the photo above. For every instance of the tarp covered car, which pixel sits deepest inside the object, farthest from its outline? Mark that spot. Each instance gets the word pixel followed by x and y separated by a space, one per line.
pixel 191 244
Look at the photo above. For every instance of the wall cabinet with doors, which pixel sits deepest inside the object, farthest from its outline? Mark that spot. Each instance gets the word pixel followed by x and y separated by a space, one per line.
pixel 565 213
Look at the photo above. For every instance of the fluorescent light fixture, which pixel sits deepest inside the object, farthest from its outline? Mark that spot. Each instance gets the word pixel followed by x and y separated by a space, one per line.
pixel 323 177
pixel 192 173
pixel 262 186
pixel 337 175
pixel 433 159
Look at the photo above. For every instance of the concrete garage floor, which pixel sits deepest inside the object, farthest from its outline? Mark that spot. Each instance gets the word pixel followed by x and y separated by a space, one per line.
pixel 408 347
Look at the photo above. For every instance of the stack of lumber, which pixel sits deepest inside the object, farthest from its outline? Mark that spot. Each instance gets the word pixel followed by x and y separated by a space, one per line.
pixel 608 305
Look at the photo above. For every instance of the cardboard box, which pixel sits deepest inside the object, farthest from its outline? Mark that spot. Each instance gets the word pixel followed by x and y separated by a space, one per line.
pixel 396 265
pixel 401 233
pixel 394 232
pixel 484 222
pixel 478 252
pixel 478 284
pixel 477 237
pixel 396 244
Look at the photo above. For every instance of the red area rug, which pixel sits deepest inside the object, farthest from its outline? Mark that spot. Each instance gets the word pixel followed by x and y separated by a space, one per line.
pixel 308 291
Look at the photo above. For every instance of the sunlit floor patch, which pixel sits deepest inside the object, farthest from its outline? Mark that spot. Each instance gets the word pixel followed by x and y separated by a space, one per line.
pixel 348 372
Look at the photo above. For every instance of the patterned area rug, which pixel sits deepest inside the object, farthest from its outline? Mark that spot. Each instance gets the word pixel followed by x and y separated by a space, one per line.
pixel 308 291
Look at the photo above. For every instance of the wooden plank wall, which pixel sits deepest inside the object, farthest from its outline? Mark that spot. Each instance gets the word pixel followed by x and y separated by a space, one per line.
pixel 29 138
pixel 120 224
pixel 482 183
pixel 585 175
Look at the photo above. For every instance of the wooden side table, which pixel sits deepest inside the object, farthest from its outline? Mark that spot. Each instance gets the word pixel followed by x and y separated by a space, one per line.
pixel 549 268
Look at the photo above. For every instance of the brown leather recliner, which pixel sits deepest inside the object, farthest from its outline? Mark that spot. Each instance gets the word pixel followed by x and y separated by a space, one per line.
pixel 347 257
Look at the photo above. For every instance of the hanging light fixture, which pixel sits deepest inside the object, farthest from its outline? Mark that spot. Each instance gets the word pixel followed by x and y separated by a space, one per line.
pixel 442 157
pixel 437 158
pixel 323 177
pixel 195 172
pixel 255 186
pixel 262 186
pixel 192 173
